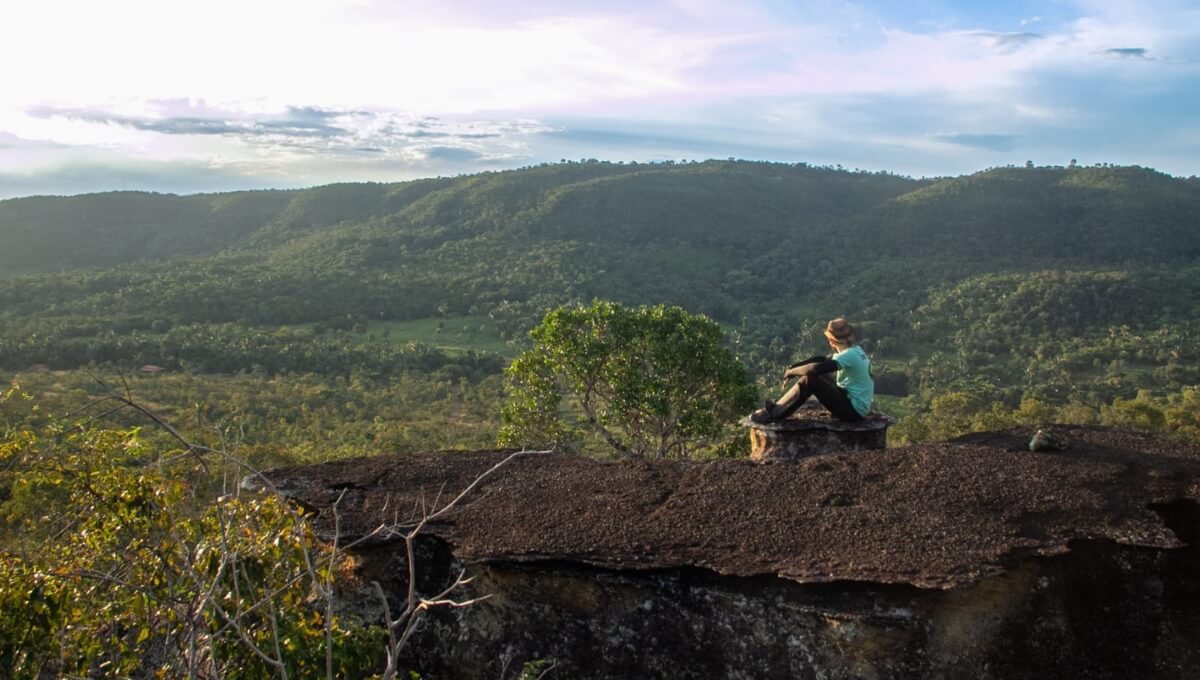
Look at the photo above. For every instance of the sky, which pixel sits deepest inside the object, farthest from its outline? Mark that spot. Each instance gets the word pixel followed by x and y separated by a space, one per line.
pixel 184 96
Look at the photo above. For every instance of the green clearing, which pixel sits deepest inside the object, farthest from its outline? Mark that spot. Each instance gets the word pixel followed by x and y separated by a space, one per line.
pixel 453 335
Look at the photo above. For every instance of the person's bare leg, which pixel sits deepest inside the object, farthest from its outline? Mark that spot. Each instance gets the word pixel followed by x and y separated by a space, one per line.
pixel 789 395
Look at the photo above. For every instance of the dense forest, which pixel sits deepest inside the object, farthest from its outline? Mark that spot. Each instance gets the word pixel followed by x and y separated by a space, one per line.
pixel 1074 289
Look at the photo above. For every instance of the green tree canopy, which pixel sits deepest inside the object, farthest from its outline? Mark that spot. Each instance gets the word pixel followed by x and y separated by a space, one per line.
pixel 651 381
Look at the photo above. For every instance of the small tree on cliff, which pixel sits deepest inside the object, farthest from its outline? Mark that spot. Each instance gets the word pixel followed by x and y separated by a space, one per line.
pixel 652 381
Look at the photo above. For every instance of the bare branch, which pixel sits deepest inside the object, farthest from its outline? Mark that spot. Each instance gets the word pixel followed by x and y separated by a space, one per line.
pixel 478 480
pixel 247 599
pixel 453 604
pixel 88 405
pixel 416 607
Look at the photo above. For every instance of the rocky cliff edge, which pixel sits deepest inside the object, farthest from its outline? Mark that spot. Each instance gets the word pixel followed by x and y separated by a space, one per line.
pixel 932 516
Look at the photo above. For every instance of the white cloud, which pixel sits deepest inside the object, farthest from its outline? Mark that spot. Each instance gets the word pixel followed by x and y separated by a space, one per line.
pixel 1043 113
pixel 226 82
pixel 279 53
pixel 270 54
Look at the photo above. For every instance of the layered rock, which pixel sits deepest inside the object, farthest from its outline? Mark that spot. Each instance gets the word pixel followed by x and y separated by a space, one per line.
pixel 812 432
pixel 970 558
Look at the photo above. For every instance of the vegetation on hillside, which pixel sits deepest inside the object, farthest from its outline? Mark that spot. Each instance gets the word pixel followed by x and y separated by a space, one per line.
pixel 1064 285
pixel 119 559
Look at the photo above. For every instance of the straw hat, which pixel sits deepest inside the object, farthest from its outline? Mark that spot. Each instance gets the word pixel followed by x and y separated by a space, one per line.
pixel 840 331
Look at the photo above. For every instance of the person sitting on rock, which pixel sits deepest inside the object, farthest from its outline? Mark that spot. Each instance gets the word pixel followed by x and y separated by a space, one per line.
pixel 848 398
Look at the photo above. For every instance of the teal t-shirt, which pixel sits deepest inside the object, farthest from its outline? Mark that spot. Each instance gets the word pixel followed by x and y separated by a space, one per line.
pixel 854 376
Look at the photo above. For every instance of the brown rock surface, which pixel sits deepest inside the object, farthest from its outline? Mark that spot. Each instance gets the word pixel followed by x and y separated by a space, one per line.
pixel 934 516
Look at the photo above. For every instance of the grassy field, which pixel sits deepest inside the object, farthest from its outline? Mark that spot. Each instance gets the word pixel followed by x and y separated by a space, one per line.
pixel 451 335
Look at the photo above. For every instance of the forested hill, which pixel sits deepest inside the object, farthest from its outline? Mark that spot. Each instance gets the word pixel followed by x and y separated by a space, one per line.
pixel 1067 284
pixel 717 234
pixel 727 209
pixel 1083 215
pixel 593 202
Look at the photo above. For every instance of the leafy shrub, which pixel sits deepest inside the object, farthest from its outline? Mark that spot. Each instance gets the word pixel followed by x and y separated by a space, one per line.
pixel 651 381
pixel 115 564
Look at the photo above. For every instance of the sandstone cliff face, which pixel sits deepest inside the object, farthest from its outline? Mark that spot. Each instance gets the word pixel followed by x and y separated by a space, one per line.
pixel 974 558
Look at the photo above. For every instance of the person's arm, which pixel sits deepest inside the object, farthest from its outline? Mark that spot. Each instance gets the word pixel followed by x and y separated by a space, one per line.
pixel 811 360
pixel 822 365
